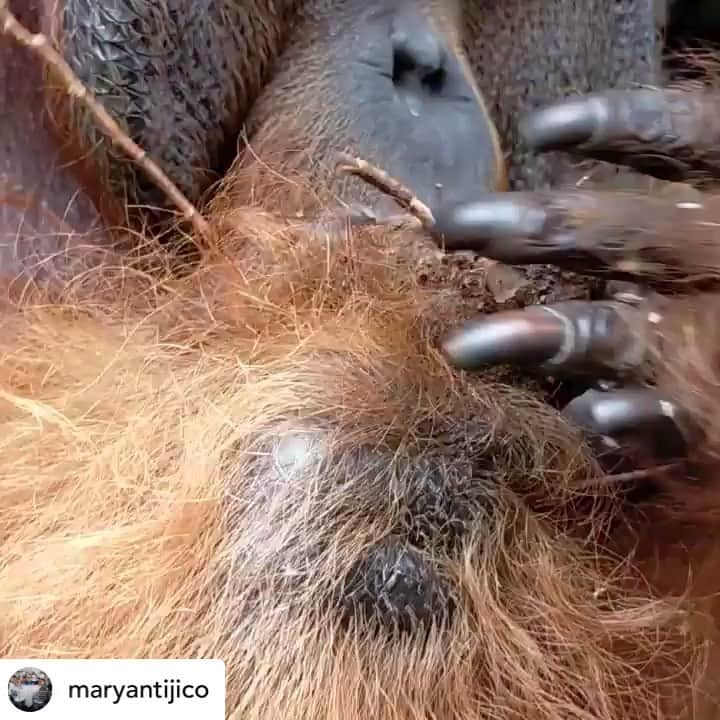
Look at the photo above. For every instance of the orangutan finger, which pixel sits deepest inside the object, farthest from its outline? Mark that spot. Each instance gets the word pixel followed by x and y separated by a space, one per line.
pixel 606 338
pixel 671 134
pixel 632 411
pixel 634 236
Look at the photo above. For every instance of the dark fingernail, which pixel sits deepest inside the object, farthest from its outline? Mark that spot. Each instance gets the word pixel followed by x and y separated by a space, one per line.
pixel 567 123
pixel 488 224
pixel 517 337
pixel 615 413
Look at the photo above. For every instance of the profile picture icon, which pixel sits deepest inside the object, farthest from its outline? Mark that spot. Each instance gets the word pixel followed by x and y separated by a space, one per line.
pixel 29 689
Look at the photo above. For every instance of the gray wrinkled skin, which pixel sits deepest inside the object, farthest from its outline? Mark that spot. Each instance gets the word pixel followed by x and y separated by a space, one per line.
pixel 387 80
pixel 182 74
pixel 177 74
pixel 542 50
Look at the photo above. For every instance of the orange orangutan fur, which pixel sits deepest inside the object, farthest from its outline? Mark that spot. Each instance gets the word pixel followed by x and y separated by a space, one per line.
pixel 193 467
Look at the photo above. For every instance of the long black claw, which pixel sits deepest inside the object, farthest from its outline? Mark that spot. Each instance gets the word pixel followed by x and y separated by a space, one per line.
pixel 515 228
pixel 616 235
pixel 533 336
pixel 608 338
pixel 666 133
pixel 569 123
pixel 562 229
pixel 615 415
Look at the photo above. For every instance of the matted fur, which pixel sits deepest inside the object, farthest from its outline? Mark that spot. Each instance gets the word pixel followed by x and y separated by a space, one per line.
pixel 202 467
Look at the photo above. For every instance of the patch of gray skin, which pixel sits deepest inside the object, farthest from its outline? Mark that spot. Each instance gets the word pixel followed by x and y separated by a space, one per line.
pixel 443 501
pixel 296 452
pixel 393 585
pixel 296 458
pixel 267 497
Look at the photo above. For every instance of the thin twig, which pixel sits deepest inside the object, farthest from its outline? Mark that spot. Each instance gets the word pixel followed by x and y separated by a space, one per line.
pixel 39 44
pixel 380 180
pixel 629 477
pixel 338 219
pixel 641 474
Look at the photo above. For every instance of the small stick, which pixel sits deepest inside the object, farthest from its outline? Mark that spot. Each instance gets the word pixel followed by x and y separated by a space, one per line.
pixel 629 477
pixel 338 219
pixel 418 211
pixel 38 44
pixel 380 180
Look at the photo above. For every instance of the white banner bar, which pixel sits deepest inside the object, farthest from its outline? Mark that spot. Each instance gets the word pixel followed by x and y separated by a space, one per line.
pixel 110 689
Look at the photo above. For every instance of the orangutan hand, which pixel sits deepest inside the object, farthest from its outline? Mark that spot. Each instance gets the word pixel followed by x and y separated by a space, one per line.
pixel 651 242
